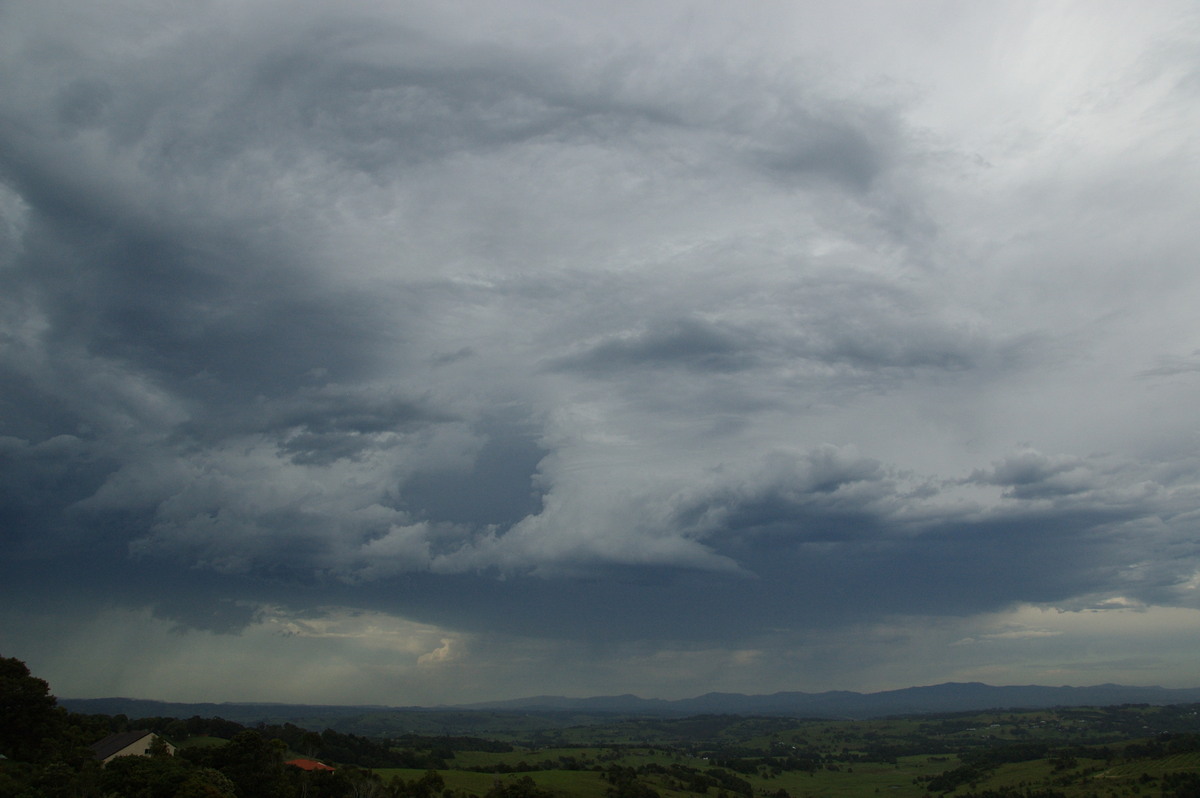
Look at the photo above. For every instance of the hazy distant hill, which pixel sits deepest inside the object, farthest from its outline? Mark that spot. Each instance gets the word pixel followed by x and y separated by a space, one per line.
pixel 949 697
pixel 239 712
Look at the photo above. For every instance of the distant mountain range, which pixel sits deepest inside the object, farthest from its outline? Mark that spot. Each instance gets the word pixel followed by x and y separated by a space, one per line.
pixel 949 697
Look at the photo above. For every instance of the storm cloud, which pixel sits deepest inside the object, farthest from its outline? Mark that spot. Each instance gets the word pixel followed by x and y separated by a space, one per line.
pixel 668 349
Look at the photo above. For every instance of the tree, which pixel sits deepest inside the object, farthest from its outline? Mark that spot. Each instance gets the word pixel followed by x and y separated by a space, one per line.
pixel 30 713
pixel 254 765
pixel 429 785
pixel 361 782
pixel 206 783
pixel 145 777
pixel 524 787
pixel 158 747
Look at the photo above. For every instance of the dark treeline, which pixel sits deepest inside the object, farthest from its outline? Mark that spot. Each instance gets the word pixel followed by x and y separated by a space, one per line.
pixel 46 754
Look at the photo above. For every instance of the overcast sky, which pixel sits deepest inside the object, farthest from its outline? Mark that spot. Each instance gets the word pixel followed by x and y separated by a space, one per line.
pixel 420 352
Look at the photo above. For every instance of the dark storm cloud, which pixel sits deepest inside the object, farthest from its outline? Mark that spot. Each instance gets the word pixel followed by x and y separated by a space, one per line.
pixel 1032 475
pixel 830 335
pixel 243 335
pixel 811 570
pixel 331 422
pixel 829 538
pixel 500 488
pixel 578 327
pixel 836 334
pixel 685 343
pixel 804 495
pixel 852 152
pixel 1172 366
pixel 40 479
pixel 191 313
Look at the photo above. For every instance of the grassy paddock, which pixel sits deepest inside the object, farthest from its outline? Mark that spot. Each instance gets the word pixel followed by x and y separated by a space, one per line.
pixel 857 781
pixel 860 758
pixel 202 742
pixel 1155 767
pixel 578 784
pixel 590 757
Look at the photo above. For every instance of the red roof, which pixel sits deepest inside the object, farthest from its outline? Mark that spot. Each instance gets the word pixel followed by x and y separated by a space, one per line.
pixel 308 764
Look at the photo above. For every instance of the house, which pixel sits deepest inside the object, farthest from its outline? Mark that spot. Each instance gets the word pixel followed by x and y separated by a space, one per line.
pixel 131 743
pixel 308 764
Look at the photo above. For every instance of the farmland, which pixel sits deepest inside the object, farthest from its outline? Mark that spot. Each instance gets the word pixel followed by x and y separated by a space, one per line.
pixel 1083 752
pixel 1064 752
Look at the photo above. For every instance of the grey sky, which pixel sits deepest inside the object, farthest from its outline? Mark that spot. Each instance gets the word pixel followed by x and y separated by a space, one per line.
pixel 418 352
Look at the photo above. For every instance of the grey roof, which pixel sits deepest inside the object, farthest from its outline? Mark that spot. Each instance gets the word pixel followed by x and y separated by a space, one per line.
pixel 115 742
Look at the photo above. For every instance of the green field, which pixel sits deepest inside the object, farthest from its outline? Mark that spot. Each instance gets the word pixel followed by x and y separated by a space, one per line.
pixel 202 742
pixel 1075 753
